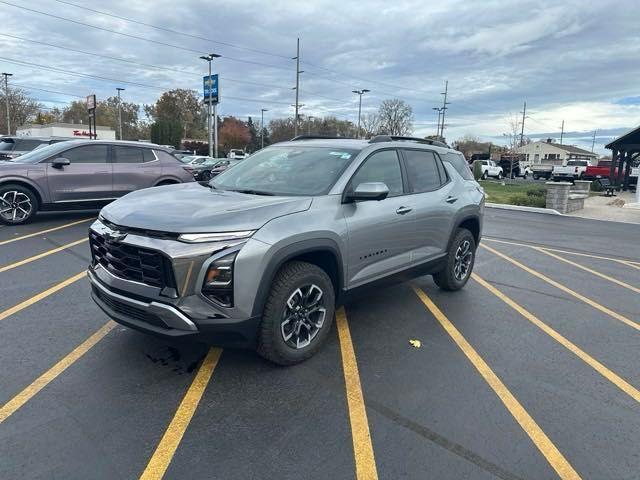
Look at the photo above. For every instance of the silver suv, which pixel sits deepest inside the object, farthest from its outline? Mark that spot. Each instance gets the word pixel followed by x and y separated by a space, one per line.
pixel 82 174
pixel 261 255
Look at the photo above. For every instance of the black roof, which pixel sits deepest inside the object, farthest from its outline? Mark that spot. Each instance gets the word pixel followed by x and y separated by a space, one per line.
pixel 631 137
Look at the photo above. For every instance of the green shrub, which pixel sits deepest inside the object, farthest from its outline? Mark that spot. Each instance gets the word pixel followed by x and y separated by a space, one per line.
pixel 477 170
pixel 528 200
pixel 537 192
pixel 596 186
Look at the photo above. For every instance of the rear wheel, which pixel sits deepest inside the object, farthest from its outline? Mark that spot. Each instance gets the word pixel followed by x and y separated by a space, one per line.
pixel 485 175
pixel 459 263
pixel 298 314
pixel 536 176
pixel 500 175
pixel 18 204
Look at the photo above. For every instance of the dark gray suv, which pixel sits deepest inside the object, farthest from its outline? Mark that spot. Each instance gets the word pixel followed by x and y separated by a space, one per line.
pixel 261 256
pixel 82 174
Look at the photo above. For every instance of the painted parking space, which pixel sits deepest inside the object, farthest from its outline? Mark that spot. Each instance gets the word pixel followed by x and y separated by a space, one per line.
pixel 405 397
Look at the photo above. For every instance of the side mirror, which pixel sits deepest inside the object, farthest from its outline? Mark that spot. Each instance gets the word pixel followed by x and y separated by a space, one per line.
pixel 369 191
pixel 60 162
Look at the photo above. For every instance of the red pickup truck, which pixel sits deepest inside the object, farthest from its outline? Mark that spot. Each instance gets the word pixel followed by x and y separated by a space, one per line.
pixel 602 170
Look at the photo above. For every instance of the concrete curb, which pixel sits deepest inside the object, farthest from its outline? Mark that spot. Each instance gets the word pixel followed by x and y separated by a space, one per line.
pixel 522 208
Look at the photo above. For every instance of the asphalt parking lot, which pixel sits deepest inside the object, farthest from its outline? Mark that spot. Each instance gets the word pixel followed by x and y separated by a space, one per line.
pixel 530 372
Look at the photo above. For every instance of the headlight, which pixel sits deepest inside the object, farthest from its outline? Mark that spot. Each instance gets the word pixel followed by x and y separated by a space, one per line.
pixel 218 281
pixel 214 237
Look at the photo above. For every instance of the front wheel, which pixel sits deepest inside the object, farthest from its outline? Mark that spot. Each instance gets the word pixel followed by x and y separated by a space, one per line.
pixel 536 177
pixel 298 314
pixel 500 175
pixel 18 204
pixel 459 264
pixel 485 175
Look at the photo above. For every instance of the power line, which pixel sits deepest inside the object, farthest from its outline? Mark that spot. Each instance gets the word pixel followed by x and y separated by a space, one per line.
pixel 45 90
pixel 176 32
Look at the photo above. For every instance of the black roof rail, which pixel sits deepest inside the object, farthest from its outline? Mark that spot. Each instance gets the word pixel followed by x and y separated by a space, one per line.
pixel 398 138
pixel 319 137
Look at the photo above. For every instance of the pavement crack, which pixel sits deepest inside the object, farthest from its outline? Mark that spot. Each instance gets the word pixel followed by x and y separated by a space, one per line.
pixel 443 442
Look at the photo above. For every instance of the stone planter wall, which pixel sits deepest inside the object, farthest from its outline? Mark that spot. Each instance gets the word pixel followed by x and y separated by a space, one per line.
pixel 558 195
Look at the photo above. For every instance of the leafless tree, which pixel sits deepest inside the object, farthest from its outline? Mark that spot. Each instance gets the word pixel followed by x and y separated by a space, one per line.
pixel 512 136
pixel 370 125
pixel 396 117
pixel 22 109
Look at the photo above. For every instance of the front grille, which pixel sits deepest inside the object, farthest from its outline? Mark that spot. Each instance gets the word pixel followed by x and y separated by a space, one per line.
pixel 130 262
pixel 128 310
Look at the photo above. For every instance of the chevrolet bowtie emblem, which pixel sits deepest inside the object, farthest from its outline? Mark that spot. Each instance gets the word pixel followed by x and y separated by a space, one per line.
pixel 114 236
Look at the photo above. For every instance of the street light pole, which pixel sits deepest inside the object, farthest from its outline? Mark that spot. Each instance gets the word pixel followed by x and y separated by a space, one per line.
pixel 6 97
pixel 119 89
pixel 262 110
pixel 209 58
pixel 360 93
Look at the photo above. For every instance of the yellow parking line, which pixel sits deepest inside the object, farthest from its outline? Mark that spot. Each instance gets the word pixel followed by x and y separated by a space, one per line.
pixel 362 447
pixel 170 441
pixel 559 286
pixel 622 384
pixel 628 263
pixel 555 458
pixel 47 377
pixel 593 272
pixel 41 255
pixel 35 234
pixel 36 298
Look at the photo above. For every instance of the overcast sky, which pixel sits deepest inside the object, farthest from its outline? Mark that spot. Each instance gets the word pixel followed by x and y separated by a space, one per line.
pixel 575 61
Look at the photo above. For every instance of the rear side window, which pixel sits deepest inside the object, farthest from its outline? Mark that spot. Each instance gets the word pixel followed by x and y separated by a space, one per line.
pixel 164 156
pixel 27 144
pixel 461 166
pixel 87 154
pixel 127 154
pixel 422 171
pixel 147 155
pixel 6 144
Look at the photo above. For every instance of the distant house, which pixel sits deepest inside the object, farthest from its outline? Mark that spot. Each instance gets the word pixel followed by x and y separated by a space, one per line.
pixel 555 153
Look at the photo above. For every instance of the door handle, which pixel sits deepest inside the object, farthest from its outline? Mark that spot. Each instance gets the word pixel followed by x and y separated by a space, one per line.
pixel 403 210
pixel 451 199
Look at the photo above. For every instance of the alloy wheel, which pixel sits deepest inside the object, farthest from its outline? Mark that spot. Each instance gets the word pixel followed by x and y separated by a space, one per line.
pixel 303 316
pixel 462 260
pixel 15 205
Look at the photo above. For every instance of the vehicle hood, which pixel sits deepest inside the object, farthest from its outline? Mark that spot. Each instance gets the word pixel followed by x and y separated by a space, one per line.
pixel 194 208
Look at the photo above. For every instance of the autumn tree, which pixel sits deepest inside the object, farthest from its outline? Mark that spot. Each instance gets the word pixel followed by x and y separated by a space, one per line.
pixel 183 106
pixel 233 133
pixel 396 117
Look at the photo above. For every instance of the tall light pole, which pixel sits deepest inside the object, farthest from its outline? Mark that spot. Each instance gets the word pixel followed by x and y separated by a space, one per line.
pixel 209 58
pixel 262 110
pixel 6 97
pixel 297 87
pixel 360 93
pixel 119 89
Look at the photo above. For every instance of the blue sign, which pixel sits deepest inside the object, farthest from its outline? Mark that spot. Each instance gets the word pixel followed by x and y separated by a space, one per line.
pixel 210 88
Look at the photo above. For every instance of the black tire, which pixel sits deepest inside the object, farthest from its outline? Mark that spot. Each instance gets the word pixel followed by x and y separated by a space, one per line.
pixel 525 175
pixel 21 197
pixel 206 176
pixel 292 277
pixel 446 278
pixel 485 175
pixel 536 177
pixel 500 175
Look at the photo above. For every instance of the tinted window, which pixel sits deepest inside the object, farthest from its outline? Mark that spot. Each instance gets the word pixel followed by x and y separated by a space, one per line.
pixel 458 162
pixel 382 167
pixel 86 154
pixel 6 144
pixel 164 156
pixel 27 144
pixel 422 171
pixel 147 155
pixel 127 155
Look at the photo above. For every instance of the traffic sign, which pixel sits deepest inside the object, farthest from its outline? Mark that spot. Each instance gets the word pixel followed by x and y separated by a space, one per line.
pixel 211 88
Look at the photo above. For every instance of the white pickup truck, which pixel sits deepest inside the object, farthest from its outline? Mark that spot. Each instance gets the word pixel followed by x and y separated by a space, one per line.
pixel 491 169
pixel 571 170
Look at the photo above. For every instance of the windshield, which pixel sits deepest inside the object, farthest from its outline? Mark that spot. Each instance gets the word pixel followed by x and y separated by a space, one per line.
pixel 577 163
pixel 35 156
pixel 287 171
pixel 198 161
pixel 6 144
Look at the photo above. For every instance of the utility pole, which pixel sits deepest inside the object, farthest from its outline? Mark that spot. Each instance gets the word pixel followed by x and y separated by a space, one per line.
pixel 444 106
pixel 262 110
pixel 524 113
pixel 297 87
pixel 593 142
pixel 360 93
pixel 561 132
pixel 209 58
pixel 439 110
pixel 6 97
pixel 119 89
pixel 309 118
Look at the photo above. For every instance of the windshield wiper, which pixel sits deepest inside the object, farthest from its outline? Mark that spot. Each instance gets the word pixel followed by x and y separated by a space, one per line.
pixel 254 192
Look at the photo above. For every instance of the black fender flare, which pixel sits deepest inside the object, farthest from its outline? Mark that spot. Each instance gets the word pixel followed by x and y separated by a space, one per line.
pixel 288 252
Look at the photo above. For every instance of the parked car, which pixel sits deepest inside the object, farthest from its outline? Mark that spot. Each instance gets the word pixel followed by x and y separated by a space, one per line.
pixel 571 170
pixel 81 174
pixel 541 170
pixel 223 165
pixel 237 153
pixel 12 147
pixel 514 166
pixel 262 255
pixel 491 169
pixel 202 171
pixel 602 170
